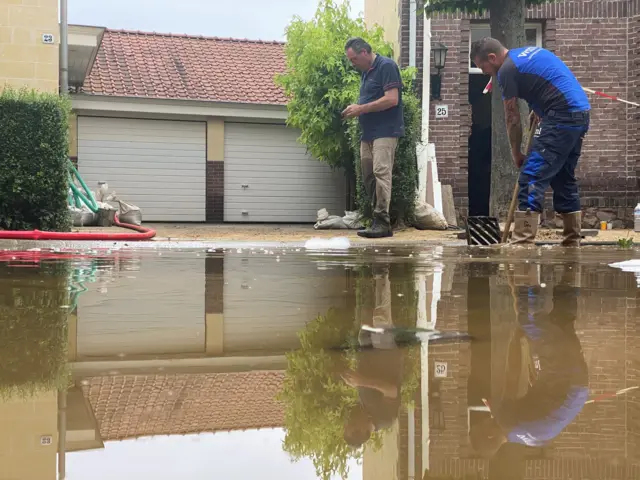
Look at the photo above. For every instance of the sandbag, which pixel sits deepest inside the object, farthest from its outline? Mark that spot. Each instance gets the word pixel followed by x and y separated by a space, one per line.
pixel 428 218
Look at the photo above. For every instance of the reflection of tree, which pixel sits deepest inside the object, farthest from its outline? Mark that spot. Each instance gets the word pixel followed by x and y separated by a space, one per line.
pixel 317 400
pixel 33 328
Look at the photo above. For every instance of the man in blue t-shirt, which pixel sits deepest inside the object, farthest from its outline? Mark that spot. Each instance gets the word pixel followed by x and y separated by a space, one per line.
pixel 379 109
pixel 552 91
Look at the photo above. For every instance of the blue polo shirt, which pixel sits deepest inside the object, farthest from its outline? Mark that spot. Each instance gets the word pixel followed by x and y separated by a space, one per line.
pixel 543 80
pixel 383 75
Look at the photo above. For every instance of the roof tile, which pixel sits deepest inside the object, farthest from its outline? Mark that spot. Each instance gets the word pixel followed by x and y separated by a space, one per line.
pixel 137 64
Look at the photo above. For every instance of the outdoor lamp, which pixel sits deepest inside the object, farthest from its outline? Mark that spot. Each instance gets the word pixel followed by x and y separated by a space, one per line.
pixel 439 54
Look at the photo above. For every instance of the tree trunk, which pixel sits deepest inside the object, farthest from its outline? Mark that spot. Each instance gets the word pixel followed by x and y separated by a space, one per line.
pixel 507 25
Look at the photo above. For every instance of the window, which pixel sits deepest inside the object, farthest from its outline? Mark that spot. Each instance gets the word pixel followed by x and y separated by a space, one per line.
pixel 533 35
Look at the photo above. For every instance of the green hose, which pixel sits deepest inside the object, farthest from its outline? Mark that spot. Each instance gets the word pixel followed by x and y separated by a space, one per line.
pixel 88 200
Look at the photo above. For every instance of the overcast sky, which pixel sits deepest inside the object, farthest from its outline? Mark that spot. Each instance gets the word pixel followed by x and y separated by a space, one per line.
pixel 265 20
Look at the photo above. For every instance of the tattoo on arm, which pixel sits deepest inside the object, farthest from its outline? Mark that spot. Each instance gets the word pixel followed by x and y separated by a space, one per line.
pixel 514 125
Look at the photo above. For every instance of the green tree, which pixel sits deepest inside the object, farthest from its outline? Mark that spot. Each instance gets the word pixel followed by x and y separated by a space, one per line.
pixel 317 401
pixel 507 19
pixel 320 82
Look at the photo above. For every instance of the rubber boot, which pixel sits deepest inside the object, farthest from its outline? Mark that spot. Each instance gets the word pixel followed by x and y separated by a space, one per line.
pixel 379 229
pixel 571 232
pixel 525 227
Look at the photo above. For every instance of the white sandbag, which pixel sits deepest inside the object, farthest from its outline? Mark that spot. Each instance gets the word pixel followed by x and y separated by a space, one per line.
pixel 332 222
pixel 428 218
pixel 353 220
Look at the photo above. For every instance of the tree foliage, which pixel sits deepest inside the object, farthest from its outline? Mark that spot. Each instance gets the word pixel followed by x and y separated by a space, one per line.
pixel 320 82
pixel 317 401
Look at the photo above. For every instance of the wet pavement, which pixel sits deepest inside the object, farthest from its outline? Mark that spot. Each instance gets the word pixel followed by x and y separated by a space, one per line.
pixel 293 363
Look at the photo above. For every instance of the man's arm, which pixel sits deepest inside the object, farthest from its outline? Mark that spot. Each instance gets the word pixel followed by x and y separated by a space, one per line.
pixel 391 83
pixel 514 126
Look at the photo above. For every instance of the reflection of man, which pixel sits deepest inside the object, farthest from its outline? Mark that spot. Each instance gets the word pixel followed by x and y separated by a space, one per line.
pixel 378 375
pixel 560 390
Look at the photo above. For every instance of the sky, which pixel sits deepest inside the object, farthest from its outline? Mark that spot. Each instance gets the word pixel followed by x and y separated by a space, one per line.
pixel 229 455
pixel 265 20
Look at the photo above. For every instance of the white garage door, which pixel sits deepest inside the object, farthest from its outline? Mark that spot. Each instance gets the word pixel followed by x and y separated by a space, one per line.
pixel 158 165
pixel 269 177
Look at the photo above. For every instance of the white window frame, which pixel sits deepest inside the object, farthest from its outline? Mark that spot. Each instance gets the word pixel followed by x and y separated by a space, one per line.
pixel 527 26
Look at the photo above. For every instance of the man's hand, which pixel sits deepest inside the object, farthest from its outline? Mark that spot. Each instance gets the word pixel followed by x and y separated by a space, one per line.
pixel 352 111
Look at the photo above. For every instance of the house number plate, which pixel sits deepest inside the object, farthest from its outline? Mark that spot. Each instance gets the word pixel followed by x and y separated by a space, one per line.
pixel 442 111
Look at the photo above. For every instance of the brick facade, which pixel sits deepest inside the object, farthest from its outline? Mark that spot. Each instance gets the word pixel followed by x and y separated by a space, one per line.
pixel 600 41
pixel 603 442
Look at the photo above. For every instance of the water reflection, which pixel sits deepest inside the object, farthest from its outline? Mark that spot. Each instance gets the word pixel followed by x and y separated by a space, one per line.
pixel 108 357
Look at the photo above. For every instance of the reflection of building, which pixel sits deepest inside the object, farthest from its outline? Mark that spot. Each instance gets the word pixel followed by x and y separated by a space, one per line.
pixel 604 440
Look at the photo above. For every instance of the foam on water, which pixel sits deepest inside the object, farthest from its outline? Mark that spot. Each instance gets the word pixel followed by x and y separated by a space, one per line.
pixel 335 243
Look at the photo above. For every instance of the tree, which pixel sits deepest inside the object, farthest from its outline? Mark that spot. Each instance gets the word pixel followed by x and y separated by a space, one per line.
pixel 507 18
pixel 320 82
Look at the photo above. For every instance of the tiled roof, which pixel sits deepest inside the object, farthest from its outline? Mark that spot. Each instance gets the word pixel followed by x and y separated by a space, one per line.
pixel 130 406
pixel 137 64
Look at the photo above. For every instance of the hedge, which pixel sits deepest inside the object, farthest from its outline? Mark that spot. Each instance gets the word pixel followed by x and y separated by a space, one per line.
pixel 33 330
pixel 34 152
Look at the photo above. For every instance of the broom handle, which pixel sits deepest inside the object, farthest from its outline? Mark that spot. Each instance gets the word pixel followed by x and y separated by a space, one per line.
pixel 533 124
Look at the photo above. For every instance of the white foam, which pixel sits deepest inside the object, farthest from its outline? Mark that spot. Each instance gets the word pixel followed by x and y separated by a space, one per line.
pixel 335 243
pixel 632 266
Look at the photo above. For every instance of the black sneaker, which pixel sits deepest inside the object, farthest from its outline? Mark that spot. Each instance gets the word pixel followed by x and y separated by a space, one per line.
pixel 377 230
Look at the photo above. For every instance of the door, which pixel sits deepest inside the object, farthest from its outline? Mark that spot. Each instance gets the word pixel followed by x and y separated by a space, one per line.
pixel 158 165
pixel 269 177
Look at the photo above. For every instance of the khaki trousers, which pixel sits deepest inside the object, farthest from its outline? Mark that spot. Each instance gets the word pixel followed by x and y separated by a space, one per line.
pixel 376 160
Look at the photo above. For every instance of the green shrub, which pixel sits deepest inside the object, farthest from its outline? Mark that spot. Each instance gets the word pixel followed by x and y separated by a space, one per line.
pixel 34 153
pixel 320 83
pixel 405 168
pixel 33 330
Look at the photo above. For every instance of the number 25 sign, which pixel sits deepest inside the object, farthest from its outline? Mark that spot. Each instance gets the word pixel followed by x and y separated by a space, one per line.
pixel 442 111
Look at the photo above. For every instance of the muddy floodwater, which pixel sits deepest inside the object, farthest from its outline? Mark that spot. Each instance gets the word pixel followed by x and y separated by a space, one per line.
pixel 402 363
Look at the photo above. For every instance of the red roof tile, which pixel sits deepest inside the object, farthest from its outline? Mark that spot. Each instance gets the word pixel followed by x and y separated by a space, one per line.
pixel 130 406
pixel 138 64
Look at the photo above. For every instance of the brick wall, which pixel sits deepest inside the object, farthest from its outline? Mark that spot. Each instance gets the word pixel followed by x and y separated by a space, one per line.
pixel 25 60
pixel 599 40
pixel 215 192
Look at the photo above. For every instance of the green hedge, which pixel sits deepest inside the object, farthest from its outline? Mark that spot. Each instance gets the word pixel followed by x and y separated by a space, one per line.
pixel 33 330
pixel 34 151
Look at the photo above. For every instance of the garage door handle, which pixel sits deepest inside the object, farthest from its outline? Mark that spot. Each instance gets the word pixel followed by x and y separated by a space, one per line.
pixel 245 185
pixel 245 212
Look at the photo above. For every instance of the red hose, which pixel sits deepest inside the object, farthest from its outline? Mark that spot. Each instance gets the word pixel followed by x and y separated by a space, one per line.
pixel 142 233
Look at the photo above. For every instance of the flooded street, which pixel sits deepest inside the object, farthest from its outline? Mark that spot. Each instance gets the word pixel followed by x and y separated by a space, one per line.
pixel 286 363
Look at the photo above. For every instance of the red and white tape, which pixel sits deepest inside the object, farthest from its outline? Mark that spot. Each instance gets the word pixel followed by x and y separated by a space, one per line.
pixel 489 87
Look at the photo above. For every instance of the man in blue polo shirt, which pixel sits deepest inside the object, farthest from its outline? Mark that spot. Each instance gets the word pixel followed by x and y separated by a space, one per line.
pixel 381 119
pixel 552 91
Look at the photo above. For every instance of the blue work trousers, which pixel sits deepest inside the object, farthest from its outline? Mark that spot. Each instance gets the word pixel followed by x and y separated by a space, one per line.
pixel 555 152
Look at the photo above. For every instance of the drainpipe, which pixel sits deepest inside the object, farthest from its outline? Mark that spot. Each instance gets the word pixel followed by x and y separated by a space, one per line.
pixel 64 49
pixel 412 33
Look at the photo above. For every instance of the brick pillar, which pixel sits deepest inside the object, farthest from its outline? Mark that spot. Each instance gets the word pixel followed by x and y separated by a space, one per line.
pixel 214 305
pixel 215 171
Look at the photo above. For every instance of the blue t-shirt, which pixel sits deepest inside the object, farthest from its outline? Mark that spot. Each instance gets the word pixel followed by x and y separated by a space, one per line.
pixel 543 80
pixel 383 75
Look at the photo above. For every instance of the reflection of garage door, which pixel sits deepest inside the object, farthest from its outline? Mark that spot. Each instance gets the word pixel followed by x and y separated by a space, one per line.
pixel 153 306
pixel 159 165
pixel 268 302
pixel 269 177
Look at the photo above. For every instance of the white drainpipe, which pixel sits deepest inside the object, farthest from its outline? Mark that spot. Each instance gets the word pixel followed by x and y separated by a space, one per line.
pixel 64 48
pixel 412 33
pixel 429 188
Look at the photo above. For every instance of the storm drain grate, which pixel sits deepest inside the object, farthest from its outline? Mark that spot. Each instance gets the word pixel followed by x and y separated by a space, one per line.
pixel 483 231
